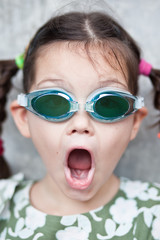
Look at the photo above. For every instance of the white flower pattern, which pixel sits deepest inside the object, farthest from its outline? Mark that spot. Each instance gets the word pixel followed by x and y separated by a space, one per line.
pixel 137 189
pixel 25 227
pixel 81 232
pixel 123 213
pixel 156 228
pixel 124 210
pixel 72 233
pixel 7 188
pixel 34 218
pixel 21 200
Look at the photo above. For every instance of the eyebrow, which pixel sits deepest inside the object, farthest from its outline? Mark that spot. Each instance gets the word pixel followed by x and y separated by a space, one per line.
pixel 110 82
pixel 55 81
pixel 61 82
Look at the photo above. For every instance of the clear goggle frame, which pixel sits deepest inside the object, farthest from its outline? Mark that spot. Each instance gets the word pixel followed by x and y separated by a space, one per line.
pixel 104 104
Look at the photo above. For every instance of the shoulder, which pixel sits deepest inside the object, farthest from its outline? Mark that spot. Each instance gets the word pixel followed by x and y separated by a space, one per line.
pixel 137 206
pixel 142 191
pixel 144 202
pixel 8 188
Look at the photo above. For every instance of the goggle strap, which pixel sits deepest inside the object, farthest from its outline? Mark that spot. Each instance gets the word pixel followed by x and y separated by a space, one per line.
pixel 139 103
pixel 22 100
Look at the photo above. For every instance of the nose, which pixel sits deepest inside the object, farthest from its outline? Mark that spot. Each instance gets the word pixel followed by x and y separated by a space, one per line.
pixel 81 123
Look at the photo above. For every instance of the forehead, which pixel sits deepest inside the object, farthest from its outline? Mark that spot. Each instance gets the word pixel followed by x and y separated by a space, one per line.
pixel 71 61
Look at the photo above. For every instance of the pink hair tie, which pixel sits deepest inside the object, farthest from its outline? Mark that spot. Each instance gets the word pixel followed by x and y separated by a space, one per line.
pixel 145 68
pixel 1 147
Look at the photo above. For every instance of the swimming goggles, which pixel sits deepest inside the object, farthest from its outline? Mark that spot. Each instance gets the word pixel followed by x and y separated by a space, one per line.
pixel 104 104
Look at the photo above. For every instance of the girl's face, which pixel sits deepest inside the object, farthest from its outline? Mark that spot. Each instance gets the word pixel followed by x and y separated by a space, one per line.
pixel 78 174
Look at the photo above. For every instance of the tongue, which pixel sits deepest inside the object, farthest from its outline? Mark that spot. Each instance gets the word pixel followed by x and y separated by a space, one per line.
pixel 79 159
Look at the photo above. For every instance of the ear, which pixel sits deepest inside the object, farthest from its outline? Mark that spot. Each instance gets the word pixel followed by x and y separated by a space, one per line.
pixel 138 118
pixel 20 117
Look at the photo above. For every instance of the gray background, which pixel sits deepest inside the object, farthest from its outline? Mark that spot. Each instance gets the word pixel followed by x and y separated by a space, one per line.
pixel 19 19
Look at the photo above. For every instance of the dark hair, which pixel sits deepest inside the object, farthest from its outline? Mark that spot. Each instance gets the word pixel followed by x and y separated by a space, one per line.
pixel 7 70
pixel 92 29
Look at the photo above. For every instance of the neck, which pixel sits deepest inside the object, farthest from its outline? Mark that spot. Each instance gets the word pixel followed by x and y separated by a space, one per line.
pixel 48 198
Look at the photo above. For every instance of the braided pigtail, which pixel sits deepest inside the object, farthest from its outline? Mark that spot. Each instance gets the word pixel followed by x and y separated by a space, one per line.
pixel 155 79
pixel 8 69
pixel 146 69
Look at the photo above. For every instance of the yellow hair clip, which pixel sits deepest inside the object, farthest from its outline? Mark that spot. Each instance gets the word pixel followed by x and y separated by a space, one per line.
pixel 19 60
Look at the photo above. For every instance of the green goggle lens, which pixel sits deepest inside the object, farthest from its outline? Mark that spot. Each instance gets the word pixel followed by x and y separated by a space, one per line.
pixel 111 106
pixel 51 105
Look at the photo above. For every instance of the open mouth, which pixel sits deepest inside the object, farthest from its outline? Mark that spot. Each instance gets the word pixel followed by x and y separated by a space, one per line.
pixel 79 169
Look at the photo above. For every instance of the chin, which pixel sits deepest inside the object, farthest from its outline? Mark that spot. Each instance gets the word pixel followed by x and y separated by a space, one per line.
pixel 81 195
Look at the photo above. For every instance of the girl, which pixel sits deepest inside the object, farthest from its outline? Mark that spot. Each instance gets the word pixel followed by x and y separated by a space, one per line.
pixel 81 109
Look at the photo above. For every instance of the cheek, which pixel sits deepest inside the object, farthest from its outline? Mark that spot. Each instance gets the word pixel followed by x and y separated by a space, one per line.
pixel 114 138
pixel 43 134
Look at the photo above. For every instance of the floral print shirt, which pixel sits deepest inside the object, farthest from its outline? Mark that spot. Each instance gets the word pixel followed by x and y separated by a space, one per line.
pixel 133 214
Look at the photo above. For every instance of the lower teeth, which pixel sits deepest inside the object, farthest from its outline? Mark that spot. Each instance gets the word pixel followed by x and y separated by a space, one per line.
pixel 79 174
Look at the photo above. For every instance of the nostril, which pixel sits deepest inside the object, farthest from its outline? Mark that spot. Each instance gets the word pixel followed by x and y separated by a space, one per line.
pixel 86 131
pixel 82 131
pixel 73 131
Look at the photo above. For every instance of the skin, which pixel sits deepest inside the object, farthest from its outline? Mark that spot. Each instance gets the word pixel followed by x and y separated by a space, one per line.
pixel 69 68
